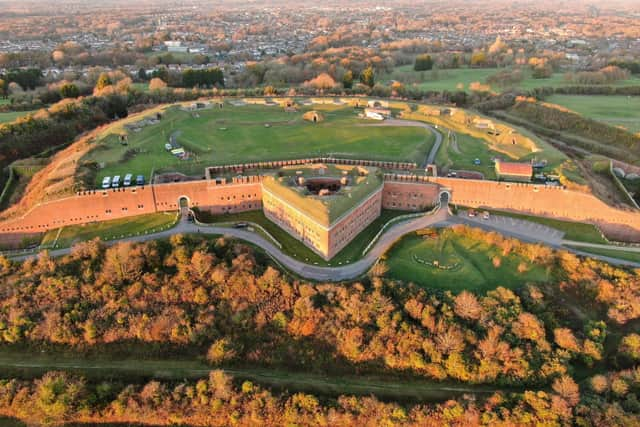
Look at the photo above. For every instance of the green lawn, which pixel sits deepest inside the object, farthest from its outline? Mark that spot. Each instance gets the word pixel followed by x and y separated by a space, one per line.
pixel 461 155
pixel 629 256
pixel 475 143
pixel 573 230
pixel 238 134
pixel 465 264
pixel 623 111
pixel 461 78
pixel 109 230
pixel 12 115
pixel 294 248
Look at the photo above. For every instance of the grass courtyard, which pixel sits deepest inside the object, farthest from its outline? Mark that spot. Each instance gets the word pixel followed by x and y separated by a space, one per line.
pixel 452 262
pixel 248 133
pixel 623 111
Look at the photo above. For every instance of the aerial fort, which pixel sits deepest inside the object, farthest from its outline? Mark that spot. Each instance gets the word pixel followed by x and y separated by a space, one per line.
pixel 322 169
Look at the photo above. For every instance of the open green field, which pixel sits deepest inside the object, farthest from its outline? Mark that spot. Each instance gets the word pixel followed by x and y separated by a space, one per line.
pixel 461 78
pixel 238 134
pixel 12 115
pixel 463 264
pixel 623 111
pixel 109 230
pixel 296 249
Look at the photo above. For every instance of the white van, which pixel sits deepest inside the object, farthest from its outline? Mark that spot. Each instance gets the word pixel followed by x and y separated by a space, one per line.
pixel 106 182
pixel 127 180
pixel 116 181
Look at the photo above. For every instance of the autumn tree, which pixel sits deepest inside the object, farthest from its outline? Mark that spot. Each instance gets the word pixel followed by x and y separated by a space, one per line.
pixel 567 388
pixel 467 306
pixel 347 79
pixel 368 77
pixel 103 82
pixel 423 63
pixel 157 84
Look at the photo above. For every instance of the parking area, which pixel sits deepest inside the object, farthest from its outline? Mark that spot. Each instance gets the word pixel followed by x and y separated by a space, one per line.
pixel 518 227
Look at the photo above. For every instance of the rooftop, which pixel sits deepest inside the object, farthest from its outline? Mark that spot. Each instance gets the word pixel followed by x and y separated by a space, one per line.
pixel 324 192
pixel 514 168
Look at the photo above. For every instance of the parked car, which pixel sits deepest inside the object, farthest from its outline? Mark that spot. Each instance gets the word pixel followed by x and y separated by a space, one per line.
pixel 106 182
pixel 140 180
pixel 471 213
pixel 485 215
pixel 116 181
pixel 127 180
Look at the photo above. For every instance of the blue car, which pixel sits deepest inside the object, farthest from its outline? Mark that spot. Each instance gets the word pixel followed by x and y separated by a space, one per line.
pixel 140 180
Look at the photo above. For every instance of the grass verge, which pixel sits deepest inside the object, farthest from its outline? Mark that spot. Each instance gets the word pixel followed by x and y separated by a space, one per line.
pixel 296 249
pixel 109 230
pixel 445 260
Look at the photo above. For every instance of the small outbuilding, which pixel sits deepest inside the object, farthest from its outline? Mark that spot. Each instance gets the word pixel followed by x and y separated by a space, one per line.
pixel 514 171
pixel 313 116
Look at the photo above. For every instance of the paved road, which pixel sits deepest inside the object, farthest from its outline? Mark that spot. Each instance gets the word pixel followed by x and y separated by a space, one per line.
pixel 431 157
pixel 600 246
pixel 345 272
pixel 520 229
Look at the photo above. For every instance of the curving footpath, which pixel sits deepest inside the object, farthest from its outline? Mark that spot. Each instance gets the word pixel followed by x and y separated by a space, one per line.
pixel 431 157
pixel 438 218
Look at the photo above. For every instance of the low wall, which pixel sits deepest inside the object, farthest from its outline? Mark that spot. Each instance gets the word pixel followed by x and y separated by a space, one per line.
pixel 212 171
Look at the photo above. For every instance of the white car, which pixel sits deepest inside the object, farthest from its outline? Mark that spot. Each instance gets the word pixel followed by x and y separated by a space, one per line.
pixel 127 179
pixel 106 182
pixel 116 181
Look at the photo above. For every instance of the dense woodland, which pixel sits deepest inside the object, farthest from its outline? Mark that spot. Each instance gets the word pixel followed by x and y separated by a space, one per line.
pixel 219 300
pixel 57 398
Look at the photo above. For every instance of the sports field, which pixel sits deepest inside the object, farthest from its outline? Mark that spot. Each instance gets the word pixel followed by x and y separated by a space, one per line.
pixel 623 111
pixel 461 79
pixel 452 262
pixel 248 133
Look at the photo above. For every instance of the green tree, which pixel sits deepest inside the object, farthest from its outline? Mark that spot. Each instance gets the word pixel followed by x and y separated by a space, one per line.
pixel 142 74
pixel 69 90
pixel 347 79
pixel 423 63
pixel 4 88
pixel 368 76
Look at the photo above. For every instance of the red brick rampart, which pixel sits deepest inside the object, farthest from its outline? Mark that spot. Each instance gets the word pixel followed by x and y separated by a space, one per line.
pixel 245 193
pixel 101 205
